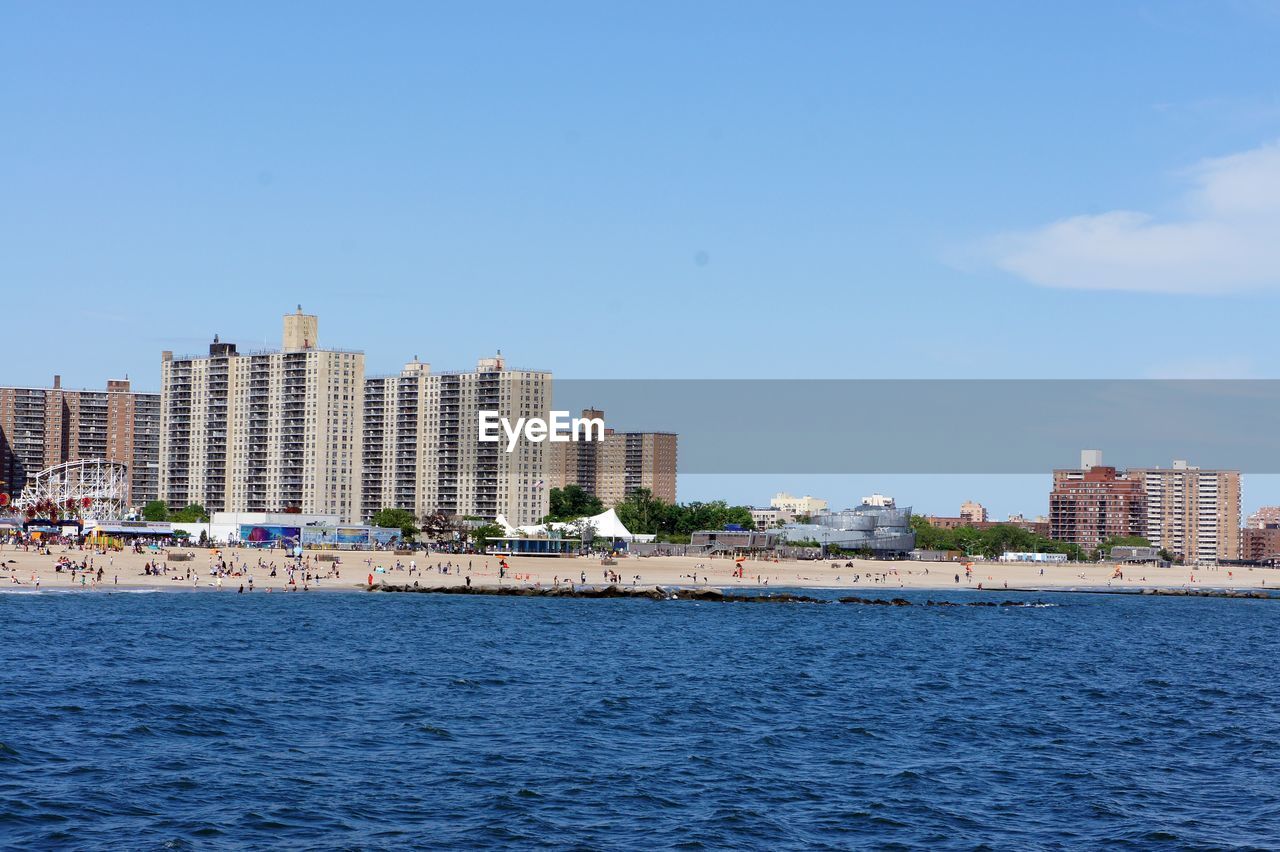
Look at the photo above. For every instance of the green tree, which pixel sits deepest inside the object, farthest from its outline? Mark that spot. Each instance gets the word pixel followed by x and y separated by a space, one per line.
pixel 156 510
pixel 1122 541
pixel 990 541
pixel 401 519
pixel 481 535
pixel 437 525
pixel 641 512
pixel 573 502
pixel 712 515
pixel 192 513
pixel 583 529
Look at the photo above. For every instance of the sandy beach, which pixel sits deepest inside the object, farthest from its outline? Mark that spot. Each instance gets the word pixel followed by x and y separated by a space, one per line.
pixel 28 569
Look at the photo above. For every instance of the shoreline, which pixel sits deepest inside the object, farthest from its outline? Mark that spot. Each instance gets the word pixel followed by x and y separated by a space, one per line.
pixel 780 594
pixel 28 570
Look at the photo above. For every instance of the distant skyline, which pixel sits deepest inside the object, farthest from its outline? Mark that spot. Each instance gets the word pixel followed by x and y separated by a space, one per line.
pixel 735 190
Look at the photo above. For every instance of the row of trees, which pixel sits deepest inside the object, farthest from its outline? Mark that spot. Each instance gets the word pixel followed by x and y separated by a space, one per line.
pixel 158 510
pixel 573 502
pixel 435 527
pixel 643 513
pixel 1002 538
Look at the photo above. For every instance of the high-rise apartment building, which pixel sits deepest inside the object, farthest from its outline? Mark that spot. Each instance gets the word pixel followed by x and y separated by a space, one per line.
pixel 620 464
pixel 264 431
pixel 393 426
pixel 1192 513
pixel 1086 507
pixel 422 448
pixel 974 513
pixel 43 427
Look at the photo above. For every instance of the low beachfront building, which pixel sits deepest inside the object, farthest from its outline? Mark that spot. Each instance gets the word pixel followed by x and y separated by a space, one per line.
pixel 289 529
pixel 734 540
pixel 1027 556
pixel 768 518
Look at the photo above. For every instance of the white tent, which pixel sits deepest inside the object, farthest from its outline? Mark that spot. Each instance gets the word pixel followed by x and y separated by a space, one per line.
pixel 606 525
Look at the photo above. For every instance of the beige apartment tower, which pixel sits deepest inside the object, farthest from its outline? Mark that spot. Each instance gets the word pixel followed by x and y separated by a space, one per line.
pixel 805 505
pixel 44 427
pixel 264 431
pixel 973 513
pixel 623 462
pixel 422 448
pixel 393 425
pixel 1192 513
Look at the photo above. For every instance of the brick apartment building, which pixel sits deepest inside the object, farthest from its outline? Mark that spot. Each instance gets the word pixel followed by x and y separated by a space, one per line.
pixel 1086 507
pixel 44 427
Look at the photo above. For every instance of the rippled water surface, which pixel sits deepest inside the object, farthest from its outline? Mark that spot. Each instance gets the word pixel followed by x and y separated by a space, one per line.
pixel 337 720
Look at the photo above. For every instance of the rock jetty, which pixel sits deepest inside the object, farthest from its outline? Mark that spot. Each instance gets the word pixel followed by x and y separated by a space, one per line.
pixel 659 593
pixel 652 593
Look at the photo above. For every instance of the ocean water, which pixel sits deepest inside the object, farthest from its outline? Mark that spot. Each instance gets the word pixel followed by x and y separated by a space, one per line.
pixel 373 721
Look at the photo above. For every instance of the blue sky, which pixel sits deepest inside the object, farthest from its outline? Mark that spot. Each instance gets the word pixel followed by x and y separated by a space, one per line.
pixel 660 190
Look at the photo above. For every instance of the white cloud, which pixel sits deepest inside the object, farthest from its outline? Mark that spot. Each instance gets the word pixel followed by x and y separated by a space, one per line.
pixel 1228 239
